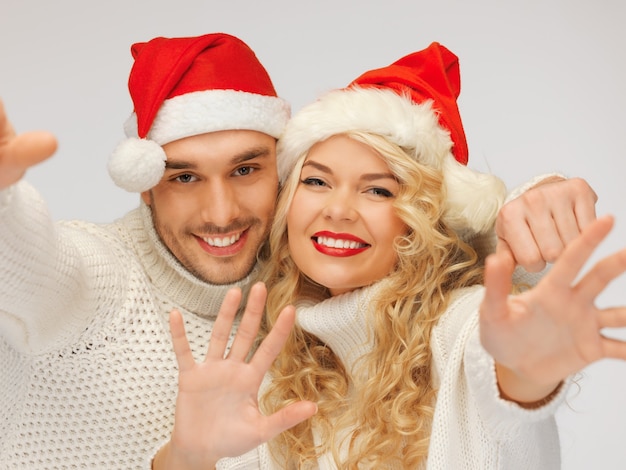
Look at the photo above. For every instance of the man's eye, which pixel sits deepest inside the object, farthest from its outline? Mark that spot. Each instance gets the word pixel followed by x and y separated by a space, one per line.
pixel 244 171
pixel 186 178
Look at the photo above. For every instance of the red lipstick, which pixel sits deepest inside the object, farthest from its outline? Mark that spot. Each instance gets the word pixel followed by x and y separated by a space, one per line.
pixel 320 242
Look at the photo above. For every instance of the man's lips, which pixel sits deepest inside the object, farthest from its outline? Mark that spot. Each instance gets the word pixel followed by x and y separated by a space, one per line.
pixel 223 245
pixel 338 244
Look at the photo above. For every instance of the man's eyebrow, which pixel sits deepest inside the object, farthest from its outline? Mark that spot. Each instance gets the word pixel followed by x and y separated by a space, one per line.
pixel 246 155
pixel 178 165
pixel 250 154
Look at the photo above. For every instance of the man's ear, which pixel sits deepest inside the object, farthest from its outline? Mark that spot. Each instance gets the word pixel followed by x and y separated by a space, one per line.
pixel 146 196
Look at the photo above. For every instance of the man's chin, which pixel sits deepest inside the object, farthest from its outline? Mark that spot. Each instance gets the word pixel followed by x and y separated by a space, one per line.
pixel 226 275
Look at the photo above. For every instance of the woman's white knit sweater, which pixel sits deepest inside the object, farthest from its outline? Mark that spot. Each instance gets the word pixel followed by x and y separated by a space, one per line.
pixel 473 428
pixel 88 378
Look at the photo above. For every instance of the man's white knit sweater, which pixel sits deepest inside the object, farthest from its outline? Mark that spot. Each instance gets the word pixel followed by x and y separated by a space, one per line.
pixel 88 378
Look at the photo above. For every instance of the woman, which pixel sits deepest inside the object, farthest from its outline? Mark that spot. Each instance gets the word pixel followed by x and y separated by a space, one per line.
pixel 410 361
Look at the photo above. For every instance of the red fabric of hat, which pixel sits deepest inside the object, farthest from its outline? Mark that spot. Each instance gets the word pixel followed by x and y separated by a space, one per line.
pixel 430 74
pixel 169 67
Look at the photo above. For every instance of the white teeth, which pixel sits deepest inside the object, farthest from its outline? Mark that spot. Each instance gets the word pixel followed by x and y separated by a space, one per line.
pixel 335 243
pixel 222 242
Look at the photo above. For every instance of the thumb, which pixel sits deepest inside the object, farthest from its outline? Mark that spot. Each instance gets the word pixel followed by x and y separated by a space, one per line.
pixel 22 152
pixel 288 417
pixel 30 148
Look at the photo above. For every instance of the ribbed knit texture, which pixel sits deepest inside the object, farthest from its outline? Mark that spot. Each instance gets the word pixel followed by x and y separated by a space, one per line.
pixel 88 378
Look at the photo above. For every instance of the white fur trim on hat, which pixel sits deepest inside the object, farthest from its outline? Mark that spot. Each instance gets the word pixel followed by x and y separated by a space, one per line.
pixel 473 198
pixel 137 165
pixel 199 112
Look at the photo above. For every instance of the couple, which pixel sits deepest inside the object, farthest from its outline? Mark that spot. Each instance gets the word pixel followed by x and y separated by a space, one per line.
pixel 400 358
pixel 89 375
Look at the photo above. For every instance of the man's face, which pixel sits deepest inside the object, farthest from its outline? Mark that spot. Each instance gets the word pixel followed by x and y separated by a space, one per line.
pixel 214 205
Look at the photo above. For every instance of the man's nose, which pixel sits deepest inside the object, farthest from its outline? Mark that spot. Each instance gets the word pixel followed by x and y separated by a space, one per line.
pixel 220 204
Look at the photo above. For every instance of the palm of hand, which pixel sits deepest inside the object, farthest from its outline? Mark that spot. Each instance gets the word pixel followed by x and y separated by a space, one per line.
pixel 219 398
pixel 548 333
pixel 553 329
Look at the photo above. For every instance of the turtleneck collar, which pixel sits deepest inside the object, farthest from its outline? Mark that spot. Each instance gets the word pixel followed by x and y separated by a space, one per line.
pixel 342 323
pixel 168 275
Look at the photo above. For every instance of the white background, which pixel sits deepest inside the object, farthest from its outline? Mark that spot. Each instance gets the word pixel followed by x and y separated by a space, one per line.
pixel 542 91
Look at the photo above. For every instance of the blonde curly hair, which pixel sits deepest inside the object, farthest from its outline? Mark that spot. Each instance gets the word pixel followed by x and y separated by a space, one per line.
pixel 390 412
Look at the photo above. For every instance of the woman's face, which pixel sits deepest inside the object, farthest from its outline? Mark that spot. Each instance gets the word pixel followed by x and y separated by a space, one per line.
pixel 341 223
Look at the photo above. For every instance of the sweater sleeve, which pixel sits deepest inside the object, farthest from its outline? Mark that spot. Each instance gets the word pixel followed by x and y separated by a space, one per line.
pixel 46 280
pixel 473 426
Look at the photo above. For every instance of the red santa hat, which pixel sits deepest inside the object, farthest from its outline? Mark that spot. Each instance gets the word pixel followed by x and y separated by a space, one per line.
pixel 187 86
pixel 413 103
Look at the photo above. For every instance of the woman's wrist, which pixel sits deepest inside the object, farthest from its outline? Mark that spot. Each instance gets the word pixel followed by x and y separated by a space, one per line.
pixel 523 392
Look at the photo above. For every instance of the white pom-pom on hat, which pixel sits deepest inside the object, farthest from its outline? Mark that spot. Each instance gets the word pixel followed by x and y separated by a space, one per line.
pixel 137 165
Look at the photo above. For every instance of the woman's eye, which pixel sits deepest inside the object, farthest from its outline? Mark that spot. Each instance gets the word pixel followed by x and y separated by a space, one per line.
pixel 381 192
pixel 313 182
pixel 186 178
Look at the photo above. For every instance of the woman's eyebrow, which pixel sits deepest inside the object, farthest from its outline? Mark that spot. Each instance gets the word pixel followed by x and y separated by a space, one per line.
pixel 365 176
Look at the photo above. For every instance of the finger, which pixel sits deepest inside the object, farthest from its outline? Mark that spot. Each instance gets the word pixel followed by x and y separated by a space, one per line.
pixel 275 340
pixel 565 230
pixel 613 317
pixel 25 149
pixel 223 324
pixel 601 274
pixel 6 129
pixel 523 248
pixel 585 206
pixel 184 357
pixel 498 272
pixel 613 348
pixel 29 148
pixel 287 418
pixel 503 247
pixel 553 227
pixel 585 214
pixel 576 254
pixel 249 326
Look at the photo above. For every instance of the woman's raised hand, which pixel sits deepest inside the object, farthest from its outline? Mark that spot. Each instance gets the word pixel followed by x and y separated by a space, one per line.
pixel 543 335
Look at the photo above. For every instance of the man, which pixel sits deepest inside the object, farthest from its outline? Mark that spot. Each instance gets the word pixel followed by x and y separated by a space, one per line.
pixel 87 373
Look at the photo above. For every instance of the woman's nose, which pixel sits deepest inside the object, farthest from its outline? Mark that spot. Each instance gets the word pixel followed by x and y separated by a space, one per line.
pixel 340 206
